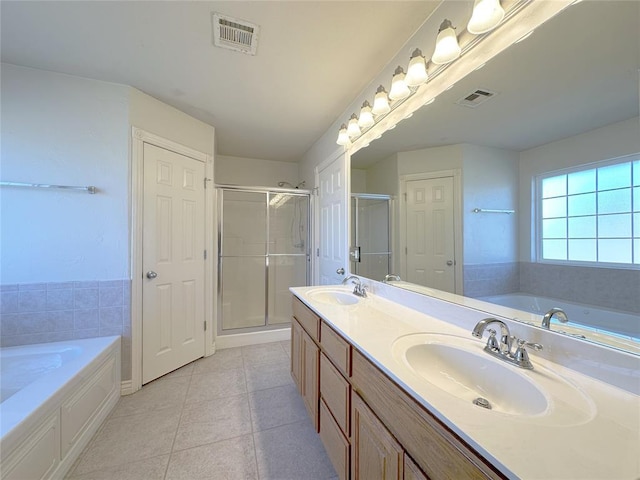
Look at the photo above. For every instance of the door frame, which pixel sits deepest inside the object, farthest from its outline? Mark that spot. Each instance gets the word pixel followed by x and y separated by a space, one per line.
pixel 138 138
pixel 456 174
pixel 343 154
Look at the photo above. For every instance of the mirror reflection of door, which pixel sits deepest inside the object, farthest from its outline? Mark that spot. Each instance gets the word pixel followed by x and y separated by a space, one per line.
pixel 430 233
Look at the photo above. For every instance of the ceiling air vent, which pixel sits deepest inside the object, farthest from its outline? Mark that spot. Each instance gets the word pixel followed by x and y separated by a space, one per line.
pixel 234 34
pixel 475 98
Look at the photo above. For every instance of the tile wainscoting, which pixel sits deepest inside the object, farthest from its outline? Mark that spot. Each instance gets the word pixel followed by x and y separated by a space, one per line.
pixel 51 312
pixel 615 288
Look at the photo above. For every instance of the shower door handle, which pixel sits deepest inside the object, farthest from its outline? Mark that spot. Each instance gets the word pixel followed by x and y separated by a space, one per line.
pixel 340 271
pixel 151 275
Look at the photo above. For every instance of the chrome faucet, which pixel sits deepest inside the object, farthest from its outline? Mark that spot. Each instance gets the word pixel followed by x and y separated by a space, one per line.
pixel 391 277
pixel 505 335
pixel 502 349
pixel 554 312
pixel 358 289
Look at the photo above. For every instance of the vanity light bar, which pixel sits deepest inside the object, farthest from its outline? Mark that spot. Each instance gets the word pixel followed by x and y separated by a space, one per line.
pixel 486 16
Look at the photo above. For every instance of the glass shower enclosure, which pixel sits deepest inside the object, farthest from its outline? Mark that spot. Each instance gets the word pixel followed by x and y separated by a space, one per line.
pixel 263 249
pixel 370 250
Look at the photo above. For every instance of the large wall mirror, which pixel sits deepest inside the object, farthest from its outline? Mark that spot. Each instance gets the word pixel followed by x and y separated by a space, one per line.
pixel 505 187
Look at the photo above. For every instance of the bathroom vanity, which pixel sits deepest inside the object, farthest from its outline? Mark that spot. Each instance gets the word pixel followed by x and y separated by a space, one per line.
pixel 369 373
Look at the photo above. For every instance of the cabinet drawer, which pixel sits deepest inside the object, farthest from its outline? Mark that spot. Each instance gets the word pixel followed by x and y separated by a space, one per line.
pixel 336 392
pixel 336 348
pixel 335 443
pixel 439 452
pixel 309 320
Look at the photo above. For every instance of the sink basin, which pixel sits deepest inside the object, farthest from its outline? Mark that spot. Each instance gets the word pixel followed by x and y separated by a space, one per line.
pixel 462 369
pixel 334 297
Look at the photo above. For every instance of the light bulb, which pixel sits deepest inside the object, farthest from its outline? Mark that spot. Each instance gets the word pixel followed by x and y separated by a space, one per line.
pixel 365 120
pixel 343 138
pixel 399 89
pixel 487 15
pixel 353 130
pixel 447 48
pixel 380 102
pixel 417 69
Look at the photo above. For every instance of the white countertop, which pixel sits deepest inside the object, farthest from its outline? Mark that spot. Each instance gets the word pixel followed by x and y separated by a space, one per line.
pixel 593 435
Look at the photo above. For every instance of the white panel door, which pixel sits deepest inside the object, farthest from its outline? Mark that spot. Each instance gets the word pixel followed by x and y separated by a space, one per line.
pixel 332 238
pixel 173 262
pixel 430 233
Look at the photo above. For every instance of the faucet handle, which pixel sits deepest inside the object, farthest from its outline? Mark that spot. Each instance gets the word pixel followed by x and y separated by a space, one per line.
pixel 536 346
pixel 492 341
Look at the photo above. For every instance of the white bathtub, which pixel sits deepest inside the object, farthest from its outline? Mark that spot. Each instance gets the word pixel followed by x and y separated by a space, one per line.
pixel 54 398
pixel 595 318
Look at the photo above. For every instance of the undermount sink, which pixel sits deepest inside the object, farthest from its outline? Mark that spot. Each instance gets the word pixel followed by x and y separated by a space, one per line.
pixel 334 296
pixel 461 368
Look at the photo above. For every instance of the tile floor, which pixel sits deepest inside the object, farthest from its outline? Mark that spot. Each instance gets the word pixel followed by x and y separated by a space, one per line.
pixel 234 415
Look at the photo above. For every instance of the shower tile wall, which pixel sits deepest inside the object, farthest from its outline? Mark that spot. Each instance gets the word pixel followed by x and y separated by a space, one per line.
pixel 51 312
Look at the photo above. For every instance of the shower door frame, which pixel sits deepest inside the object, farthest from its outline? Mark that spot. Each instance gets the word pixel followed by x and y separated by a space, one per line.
pixel 356 233
pixel 219 189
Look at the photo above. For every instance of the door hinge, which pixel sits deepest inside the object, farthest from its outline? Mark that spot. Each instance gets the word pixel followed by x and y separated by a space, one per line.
pixel 406 251
pixel 205 182
pixel 205 325
pixel 205 254
pixel 317 252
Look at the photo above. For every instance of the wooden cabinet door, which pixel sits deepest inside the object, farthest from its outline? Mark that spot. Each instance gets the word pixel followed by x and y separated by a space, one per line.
pixel 374 451
pixel 411 470
pixel 296 354
pixel 310 354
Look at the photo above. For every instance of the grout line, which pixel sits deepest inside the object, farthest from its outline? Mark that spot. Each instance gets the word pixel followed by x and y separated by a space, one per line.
pixel 175 435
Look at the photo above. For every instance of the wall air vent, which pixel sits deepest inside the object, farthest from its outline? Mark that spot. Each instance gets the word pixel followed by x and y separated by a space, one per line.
pixel 234 34
pixel 475 98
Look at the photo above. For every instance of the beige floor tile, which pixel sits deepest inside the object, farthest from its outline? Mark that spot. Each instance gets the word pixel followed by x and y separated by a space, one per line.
pixel 276 406
pixel 212 385
pixel 227 359
pixel 292 452
pixel 163 393
pixel 130 438
pixel 208 422
pixel 286 345
pixel 232 459
pixel 185 371
pixel 147 469
pixel 269 375
pixel 264 353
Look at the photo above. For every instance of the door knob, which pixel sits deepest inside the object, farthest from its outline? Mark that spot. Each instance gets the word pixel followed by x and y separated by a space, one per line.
pixel 340 271
pixel 151 274
pixel 449 262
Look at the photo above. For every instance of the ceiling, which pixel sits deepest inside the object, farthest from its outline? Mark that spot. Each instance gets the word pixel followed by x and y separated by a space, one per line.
pixel 313 59
pixel 571 76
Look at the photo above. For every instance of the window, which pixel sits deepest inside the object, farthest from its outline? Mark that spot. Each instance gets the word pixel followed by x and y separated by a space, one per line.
pixel 591 214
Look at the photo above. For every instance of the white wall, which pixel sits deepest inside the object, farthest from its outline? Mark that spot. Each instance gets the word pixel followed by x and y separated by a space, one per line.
pixel 152 115
pixel 255 172
pixel 61 129
pixel 434 159
pixel 611 141
pixel 490 180
pixel 358 180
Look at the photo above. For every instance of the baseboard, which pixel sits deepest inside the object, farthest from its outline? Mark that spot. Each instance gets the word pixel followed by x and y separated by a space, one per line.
pixel 253 338
pixel 126 387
